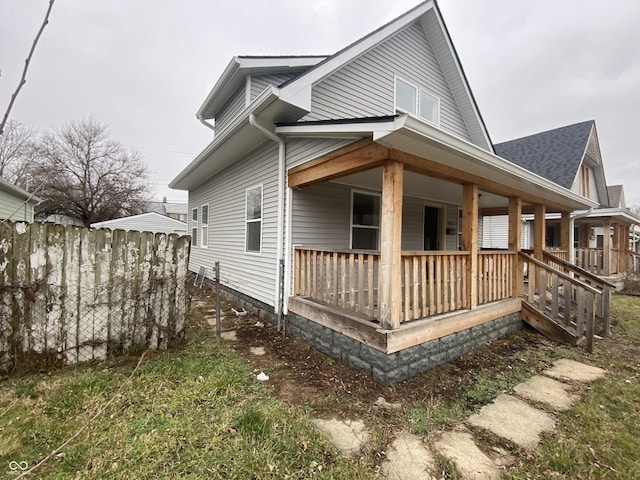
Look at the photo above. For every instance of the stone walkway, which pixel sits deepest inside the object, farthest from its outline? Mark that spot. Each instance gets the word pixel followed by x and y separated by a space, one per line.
pixel 516 418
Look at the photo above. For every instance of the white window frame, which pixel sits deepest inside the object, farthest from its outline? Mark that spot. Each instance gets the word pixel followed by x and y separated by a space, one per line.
pixel 352 225
pixel 204 227
pixel 194 227
pixel 254 220
pixel 419 92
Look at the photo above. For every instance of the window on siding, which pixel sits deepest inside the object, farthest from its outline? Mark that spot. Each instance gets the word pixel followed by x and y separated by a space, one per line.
pixel 365 221
pixel 253 228
pixel 417 101
pixel 194 227
pixel 204 226
pixel 585 181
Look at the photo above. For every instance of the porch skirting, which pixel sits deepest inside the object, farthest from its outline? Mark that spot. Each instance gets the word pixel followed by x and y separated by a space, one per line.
pixel 385 368
pixel 396 367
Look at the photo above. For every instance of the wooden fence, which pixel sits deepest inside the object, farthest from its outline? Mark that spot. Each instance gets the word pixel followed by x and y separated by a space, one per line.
pixel 70 294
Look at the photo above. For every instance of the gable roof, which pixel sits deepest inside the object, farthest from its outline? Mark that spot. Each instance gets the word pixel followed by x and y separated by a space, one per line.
pixel 297 90
pixel 145 222
pixel 554 154
pixel 616 196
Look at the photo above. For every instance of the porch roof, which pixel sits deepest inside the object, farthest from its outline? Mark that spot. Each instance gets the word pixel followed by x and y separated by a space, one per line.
pixel 458 157
pixel 622 215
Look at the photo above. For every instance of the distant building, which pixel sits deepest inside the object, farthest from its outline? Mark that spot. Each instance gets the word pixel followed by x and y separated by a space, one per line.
pixel 174 210
pixel 16 204
pixel 145 222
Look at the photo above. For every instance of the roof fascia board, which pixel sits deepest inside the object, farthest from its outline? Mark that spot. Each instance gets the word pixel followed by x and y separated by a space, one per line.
pixel 298 92
pixel 269 95
pixel 16 190
pixel 463 76
pixel 335 129
pixel 470 150
pixel 619 213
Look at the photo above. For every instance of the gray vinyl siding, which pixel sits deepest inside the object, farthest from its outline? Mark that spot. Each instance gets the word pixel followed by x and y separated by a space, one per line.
pixel 250 273
pixel 260 82
pixel 451 240
pixel 234 106
pixel 14 207
pixel 304 149
pixel 412 219
pixel 365 87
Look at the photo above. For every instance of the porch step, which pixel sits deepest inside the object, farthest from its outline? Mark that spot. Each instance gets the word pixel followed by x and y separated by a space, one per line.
pixel 546 325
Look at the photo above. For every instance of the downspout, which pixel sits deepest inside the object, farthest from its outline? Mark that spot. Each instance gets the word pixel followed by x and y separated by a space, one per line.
pixel 279 295
pixel 205 123
pixel 572 218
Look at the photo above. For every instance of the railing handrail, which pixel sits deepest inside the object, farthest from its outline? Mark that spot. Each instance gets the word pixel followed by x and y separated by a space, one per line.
pixel 579 270
pixel 562 275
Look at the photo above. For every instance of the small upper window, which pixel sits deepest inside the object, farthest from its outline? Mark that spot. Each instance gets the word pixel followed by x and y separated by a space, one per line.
pixel 417 101
pixel 253 219
pixel 194 227
pixel 204 225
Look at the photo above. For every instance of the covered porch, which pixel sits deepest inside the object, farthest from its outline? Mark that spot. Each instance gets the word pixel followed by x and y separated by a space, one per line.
pixel 394 299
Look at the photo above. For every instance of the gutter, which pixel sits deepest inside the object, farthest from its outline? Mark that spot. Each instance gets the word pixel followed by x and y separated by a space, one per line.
pixel 279 294
pixel 572 218
pixel 205 123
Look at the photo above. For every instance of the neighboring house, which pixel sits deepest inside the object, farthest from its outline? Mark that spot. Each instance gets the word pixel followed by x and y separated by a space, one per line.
pixel 363 174
pixel 570 156
pixel 176 210
pixel 145 222
pixel 16 204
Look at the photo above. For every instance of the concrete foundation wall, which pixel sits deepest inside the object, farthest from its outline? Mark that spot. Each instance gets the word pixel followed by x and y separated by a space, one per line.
pixel 383 368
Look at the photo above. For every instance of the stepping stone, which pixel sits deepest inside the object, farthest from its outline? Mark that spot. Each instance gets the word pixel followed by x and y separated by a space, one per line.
pixel 565 369
pixel 469 460
pixel 408 459
pixel 229 336
pixel 346 435
pixel 513 419
pixel 257 351
pixel 546 390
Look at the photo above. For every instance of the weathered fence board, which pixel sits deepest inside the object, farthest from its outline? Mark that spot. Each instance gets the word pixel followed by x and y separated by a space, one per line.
pixel 71 294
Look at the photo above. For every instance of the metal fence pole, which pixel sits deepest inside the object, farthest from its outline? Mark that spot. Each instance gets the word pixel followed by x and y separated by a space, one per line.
pixel 217 283
pixel 281 295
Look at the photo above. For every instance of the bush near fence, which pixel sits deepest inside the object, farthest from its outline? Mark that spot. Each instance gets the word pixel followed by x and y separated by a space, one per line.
pixel 70 294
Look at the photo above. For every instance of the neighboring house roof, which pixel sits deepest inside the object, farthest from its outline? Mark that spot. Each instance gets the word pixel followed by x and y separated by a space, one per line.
pixel 291 100
pixel 18 192
pixel 166 208
pixel 145 222
pixel 616 196
pixel 555 154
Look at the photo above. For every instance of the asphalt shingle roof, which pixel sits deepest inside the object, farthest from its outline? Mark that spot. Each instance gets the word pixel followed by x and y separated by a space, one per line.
pixel 555 154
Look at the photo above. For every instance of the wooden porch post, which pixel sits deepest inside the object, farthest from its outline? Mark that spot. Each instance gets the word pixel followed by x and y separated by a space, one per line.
pixel 539 231
pixel 515 233
pixel 606 246
pixel 390 273
pixel 624 248
pixel 470 239
pixel 565 225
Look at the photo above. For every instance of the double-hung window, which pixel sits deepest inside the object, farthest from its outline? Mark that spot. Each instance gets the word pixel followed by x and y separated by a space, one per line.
pixel 194 227
pixel 417 101
pixel 253 219
pixel 365 221
pixel 204 226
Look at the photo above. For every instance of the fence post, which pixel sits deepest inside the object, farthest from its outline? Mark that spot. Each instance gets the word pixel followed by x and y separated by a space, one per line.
pixel 216 279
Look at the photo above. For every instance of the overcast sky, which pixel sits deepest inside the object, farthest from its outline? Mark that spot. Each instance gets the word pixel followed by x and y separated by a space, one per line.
pixel 144 67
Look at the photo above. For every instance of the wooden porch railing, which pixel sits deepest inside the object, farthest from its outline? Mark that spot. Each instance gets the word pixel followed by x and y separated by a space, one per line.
pixel 603 298
pixel 634 262
pixel 591 259
pixel 562 297
pixel 433 283
pixel 346 279
pixel 495 275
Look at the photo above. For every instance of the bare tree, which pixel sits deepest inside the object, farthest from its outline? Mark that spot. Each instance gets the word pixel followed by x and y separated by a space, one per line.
pixel 16 148
pixel 80 172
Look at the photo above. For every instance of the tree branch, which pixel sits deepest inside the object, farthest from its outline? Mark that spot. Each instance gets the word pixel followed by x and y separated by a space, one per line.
pixel 23 79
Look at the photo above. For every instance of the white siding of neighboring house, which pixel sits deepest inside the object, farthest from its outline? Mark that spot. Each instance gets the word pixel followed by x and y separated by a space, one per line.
pixel 234 106
pixel 495 233
pixel 250 273
pixel 15 207
pixel 259 82
pixel 145 223
pixel 365 87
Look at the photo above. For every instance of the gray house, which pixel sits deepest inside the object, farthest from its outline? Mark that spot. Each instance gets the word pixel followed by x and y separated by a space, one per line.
pixel 342 194
pixel 16 204
pixel 570 156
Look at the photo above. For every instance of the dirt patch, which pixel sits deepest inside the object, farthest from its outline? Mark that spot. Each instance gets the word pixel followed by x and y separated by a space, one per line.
pixel 300 375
